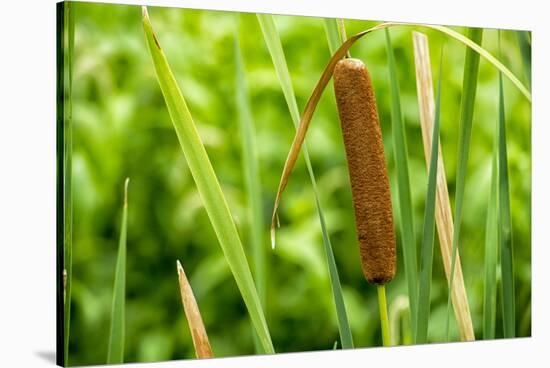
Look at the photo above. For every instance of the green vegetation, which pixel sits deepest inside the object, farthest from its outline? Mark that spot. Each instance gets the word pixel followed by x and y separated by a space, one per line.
pixel 207 184
pixel 115 353
pixel 221 188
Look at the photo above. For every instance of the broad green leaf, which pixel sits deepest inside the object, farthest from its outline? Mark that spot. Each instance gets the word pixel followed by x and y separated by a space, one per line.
pixel 401 157
pixel 207 185
pixel 115 354
pixel 469 87
pixel 427 251
pixel 275 48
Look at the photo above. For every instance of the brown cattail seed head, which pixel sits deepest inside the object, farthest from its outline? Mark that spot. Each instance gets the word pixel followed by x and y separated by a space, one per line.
pixel 367 170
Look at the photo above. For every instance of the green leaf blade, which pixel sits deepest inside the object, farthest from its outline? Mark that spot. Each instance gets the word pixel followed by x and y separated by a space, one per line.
pixel 525 50
pixel 207 185
pixel 491 252
pixel 426 259
pixel 115 353
pixel 334 38
pixel 469 87
pixel 408 239
pixel 505 234
pixel 275 48
pixel 251 173
pixel 251 176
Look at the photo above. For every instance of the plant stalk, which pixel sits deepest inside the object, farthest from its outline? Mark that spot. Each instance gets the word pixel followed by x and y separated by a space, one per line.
pixel 384 321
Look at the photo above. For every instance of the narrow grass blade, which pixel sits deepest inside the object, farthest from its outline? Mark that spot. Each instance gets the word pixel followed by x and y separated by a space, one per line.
pixel 491 251
pixel 427 252
pixel 207 185
pixel 251 178
pixel 327 75
pixel 275 48
pixel 444 217
pixel 333 35
pixel 194 318
pixel 67 197
pixel 469 87
pixel 525 49
pixel 475 46
pixel 115 354
pixel 251 174
pixel 505 235
pixel 408 239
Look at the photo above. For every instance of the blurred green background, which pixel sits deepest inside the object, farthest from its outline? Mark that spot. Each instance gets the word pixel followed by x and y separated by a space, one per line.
pixel 121 128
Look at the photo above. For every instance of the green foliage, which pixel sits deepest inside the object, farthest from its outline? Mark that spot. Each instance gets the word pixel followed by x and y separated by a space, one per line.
pixel 427 250
pixel 121 127
pixel 275 47
pixel 468 98
pixel 256 225
pixel 115 353
pixel 504 221
pixel 399 136
pixel 65 76
pixel 334 38
pixel 491 251
pixel 207 184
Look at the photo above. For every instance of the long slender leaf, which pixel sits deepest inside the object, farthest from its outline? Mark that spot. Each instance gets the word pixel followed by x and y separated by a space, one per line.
pixel 251 178
pixel 251 174
pixel 207 185
pixel 444 217
pixel 275 48
pixel 505 234
pixel 426 259
pixel 193 314
pixel 68 47
pixel 491 251
pixel 115 354
pixel 469 87
pixel 333 35
pixel 408 239
pixel 525 49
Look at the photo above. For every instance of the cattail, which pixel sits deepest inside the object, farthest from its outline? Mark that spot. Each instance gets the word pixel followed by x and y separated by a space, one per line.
pixel 367 170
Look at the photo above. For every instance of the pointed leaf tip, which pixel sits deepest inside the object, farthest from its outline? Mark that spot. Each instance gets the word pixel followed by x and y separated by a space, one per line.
pixel 272 238
pixel 126 183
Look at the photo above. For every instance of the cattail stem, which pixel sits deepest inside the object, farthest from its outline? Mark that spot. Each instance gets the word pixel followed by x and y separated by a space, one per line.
pixel 369 178
pixel 384 321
